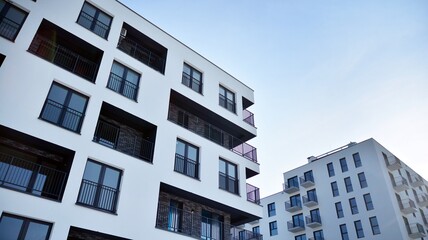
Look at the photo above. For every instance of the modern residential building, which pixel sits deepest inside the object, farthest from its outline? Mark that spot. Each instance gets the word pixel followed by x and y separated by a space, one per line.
pixel 110 128
pixel 358 191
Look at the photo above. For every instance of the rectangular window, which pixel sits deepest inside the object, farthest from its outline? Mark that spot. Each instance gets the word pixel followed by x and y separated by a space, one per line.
pixel 300 237
pixel 318 235
pixel 175 216
pixel 11 20
pixel 348 184
pixel 334 189
pixel 353 206
pixel 357 160
pixel 192 78
pixel 20 228
pixel 100 186
pixel 359 229
pixel 228 176
pixel 339 210
pixel 271 209
pixel 123 81
pixel 343 165
pixel 312 195
pixel 344 232
pixel 293 182
pixel 362 179
pixel 256 230
pixel 212 226
pixel 298 220
pixel 309 176
pixel 273 228
pixel 295 201
pixel 315 215
pixel 186 159
pixel 227 99
pixel 330 169
pixel 375 226
pixel 95 20
pixel 368 201
pixel 64 107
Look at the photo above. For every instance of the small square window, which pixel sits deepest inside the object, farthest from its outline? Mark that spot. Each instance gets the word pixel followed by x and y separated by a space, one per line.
pixel 95 20
pixel 192 78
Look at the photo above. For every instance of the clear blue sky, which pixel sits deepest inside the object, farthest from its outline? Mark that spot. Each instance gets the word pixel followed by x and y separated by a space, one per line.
pixel 324 72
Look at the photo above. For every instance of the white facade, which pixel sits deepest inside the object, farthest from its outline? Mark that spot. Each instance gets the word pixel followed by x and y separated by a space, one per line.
pixel 398 194
pixel 44 135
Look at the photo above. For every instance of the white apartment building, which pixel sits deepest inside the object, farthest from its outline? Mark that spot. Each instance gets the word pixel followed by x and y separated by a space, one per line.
pixel 110 128
pixel 358 191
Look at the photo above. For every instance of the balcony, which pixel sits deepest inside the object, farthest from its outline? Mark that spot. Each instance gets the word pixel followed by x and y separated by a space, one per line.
pixel 293 206
pixel 313 222
pixel 296 226
pixel 253 194
pixel 422 200
pixel 142 48
pixel 393 163
pixel 310 201
pixel 291 188
pixel 248 117
pixel 66 51
pixel 307 182
pixel 400 184
pixel 416 230
pixel 407 206
pixel 81 233
pixel 416 181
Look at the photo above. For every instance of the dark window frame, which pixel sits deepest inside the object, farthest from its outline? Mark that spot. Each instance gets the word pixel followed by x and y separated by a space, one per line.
pixel 295 200
pixel 190 81
pixel 223 99
pixel 339 210
pixel 359 229
pixel 293 182
pixel 353 206
pixel 344 232
pixel 25 225
pixel 357 160
pixel 343 165
pixel 187 161
pixel 334 189
pixel 348 184
pixel 318 235
pixel 229 178
pixel 330 169
pixel 300 237
pixel 271 209
pixel 95 22
pixel 363 180
pixel 368 201
pixel 273 228
pixel 18 26
pixel 374 224
pixel 121 84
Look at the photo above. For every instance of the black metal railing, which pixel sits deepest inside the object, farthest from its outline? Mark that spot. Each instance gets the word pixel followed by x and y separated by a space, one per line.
pixel 64 57
pixel 310 198
pixel 9 28
pixel 193 224
pixel 228 183
pixel 208 131
pixel 296 224
pixel 27 176
pixel 186 166
pixel 111 136
pixel 313 219
pixel 98 196
pixel 253 194
pixel 227 103
pixel 141 53
pixel 61 115
pixel 290 204
pixel 89 22
pixel 248 117
pixel 122 86
pixel 191 82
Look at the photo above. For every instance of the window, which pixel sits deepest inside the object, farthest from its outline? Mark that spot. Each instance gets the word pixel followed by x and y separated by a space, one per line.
pixel 330 169
pixel 227 99
pixel 339 210
pixel 309 176
pixel 228 176
pixel 212 226
pixel 95 20
pixel 334 189
pixel 362 179
pixel 375 226
pixel 318 235
pixel 298 220
pixel 344 232
pixel 273 228
pixel 11 20
pixel 241 235
pixel 353 206
pixel 192 78
pixel 256 230
pixel 64 107
pixel 20 228
pixel 315 215
pixel 359 229
pixel 348 184
pixel 300 237
pixel 271 209
pixel 343 165
pixel 312 195
pixel 295 201
pixel 100 186
pixel 124 81
pixel 293 182
pixel 368 201
pixel 357 160
pixel 186 159
pixel 175 216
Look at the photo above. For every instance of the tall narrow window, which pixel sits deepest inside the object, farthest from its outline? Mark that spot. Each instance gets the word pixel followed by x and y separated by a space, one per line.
pixel 298 220
pixel 100 186
pixel 375 226
pixel 368 201
pixel 362 179
pixel 175 216
pixel 312 195
pixel 348 184
pixel 330 169
pixel 186 159
pixel 315 215
pixel 295 201
pixel 228 176
pixel 271 209
pixel 124 81
pixel 353 206
pixel 11 20
pixel 192 78
pixel 334 189
pixel 339 210
pixel 227 99
pixel 64 107
pixel 273 228
pixel 20 228
pixel 359 229
pixel 95 20
pixel 357 160
pixel 211 226
pixel 343 165
pixel 344 232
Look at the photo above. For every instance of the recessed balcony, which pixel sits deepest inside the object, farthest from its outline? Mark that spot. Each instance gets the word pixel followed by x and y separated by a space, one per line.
pixel 416 230
pixel 296 226
pixel 422 200
pixel 307 182
pixel 393 163
pixel 293 206
pixel 400 184
pixel 416 181
pixel 310 201
pixel 407 206
pixel 313 222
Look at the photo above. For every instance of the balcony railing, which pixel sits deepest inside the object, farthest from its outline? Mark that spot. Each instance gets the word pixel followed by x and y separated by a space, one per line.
pixel 192 224
pixel 227 103
pixel 211 132
pixel 64 57
pixel 293 206
pixel 407 206
pixel 291 188
pixel 310 201
pixel 296 226
pixel 416 230
pixel 313 221
pixel 253 194
pixel 98 28
pixel 61 115
pixel 109 135
pixel 122 86
pixel 422 199
pixel 400 184
pixel 9 28
pixel 192 82
pixel 248 117
pixel 141 53
pixel 393 163
pixel 307 181
pixel 186 166
pixel 29 177
pixel 98 196
pixel 416 181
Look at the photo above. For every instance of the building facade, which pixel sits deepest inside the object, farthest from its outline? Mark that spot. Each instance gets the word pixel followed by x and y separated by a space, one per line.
pixel 110 128
pixel 359 191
